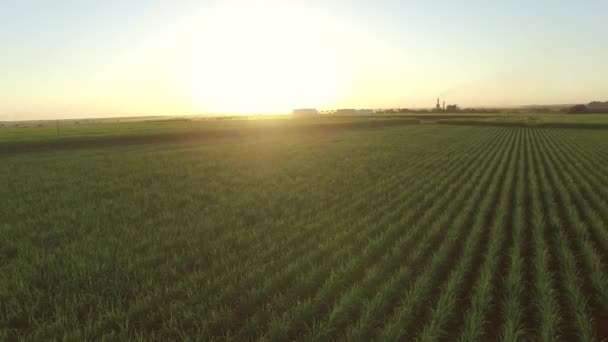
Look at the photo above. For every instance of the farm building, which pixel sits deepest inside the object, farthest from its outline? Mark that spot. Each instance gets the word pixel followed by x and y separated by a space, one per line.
pixel 305 111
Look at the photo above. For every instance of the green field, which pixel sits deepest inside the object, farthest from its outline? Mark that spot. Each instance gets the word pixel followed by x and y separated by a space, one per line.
pixel 586 121
pixel 309 229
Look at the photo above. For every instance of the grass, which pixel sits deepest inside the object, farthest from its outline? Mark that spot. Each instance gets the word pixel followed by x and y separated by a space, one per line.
pixel 328 228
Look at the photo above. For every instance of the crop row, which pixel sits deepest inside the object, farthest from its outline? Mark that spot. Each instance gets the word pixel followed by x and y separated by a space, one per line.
pixel 486 233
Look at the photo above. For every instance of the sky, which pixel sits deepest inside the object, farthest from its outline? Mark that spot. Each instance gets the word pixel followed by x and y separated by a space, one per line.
pixel 71 59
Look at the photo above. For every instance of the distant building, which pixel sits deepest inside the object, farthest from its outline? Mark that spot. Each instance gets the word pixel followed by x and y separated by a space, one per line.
pixel 444 108
pixel 305 111
pixel 365 111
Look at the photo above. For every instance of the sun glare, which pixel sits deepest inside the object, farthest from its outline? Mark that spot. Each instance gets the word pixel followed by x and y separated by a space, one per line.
pixel 262 59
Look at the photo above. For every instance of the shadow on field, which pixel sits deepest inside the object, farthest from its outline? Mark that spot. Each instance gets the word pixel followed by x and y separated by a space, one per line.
pixel 198 136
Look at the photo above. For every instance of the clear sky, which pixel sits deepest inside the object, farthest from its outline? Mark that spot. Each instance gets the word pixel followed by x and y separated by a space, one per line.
pixel 89 58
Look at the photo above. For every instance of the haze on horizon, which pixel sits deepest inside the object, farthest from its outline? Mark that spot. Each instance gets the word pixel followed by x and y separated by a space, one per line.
pixel 66 59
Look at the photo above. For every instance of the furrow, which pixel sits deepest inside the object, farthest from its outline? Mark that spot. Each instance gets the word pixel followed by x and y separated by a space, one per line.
pixel 584 187
pixel 513 308
pixel 262 270
pixel 347 309
pixel 398 326
pixel 573 255
pixel 545 297
pixel 445 308
pixel 482 318
pixel 311 306
pixel 276 285
pixel 576 314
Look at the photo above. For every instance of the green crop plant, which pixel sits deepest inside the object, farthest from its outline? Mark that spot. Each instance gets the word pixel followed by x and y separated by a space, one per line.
pixel 356 229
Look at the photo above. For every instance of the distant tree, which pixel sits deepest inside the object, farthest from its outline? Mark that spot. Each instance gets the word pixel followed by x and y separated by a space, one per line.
pixel 452 108
pixel 598 107
pixel 598 104
pixel 540 110
pixel 578 109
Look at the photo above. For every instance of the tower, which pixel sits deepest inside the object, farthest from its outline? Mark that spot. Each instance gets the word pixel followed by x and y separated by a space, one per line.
pixel 437 106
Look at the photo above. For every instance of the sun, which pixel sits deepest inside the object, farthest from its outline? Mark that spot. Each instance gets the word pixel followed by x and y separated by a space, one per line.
pixel 262 59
